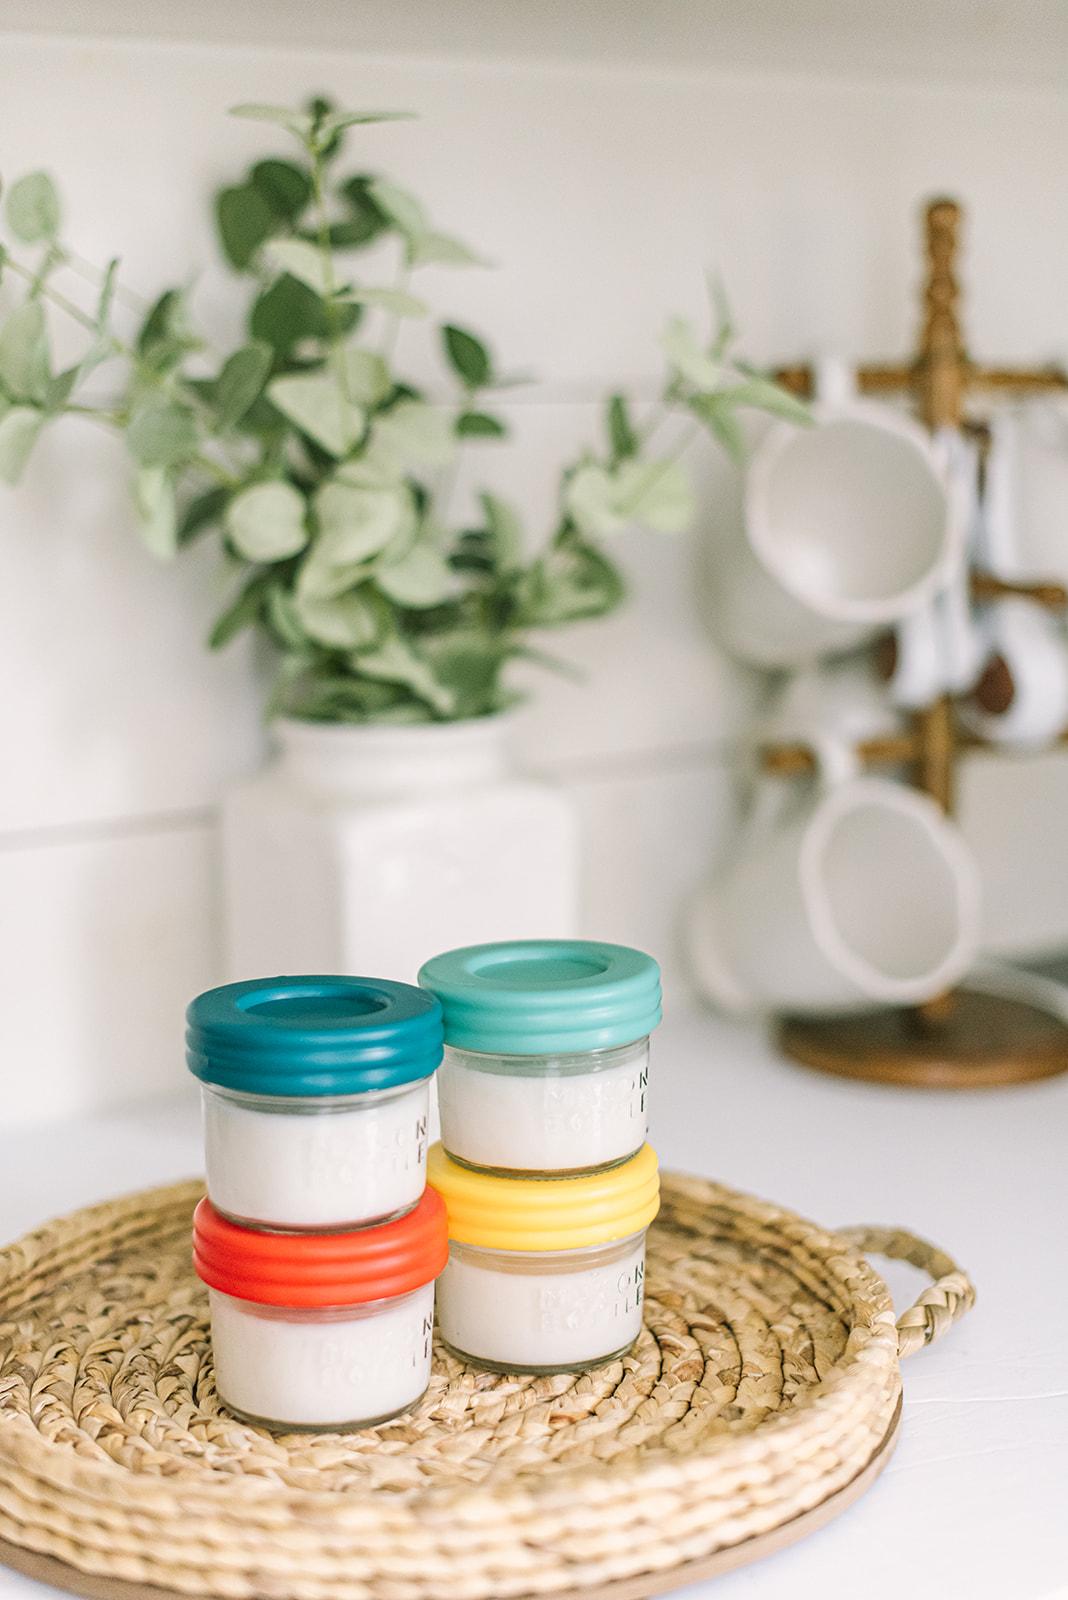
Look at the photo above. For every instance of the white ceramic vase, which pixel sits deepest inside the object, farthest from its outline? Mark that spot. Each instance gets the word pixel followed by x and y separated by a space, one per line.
pixel 367 850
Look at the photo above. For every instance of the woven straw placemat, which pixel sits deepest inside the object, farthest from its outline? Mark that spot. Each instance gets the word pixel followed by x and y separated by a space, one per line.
pixel 765 1387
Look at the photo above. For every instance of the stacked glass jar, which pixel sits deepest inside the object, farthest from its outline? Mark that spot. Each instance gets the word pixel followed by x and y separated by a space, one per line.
pixel 547 1179
pixel 319 1240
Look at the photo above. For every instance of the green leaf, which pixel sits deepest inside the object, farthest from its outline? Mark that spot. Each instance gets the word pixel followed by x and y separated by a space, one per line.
pixel 356 523
pixel 162 433
pixel 298 122
pixel 570 582
pixel 442 249
pixel 24 365
pixel 59 389
pixel 33 208
pixel 366 219
pixel 468 357
pixel 244 220
pixel 282 619
pixel 622 438
pixel 480 425
pixel 413 433
pixel 289 312
pixel 154 498
pixel 203 511
pixel 505 530
pixel 106 297
pixel 419 579
pixel 266 522
pixel 689 361
pixel 368 377
pixel 396 301
pixel 241 382
pixel 720 419
pixel 246 610
pixel 337 121
pixel 468 663
pixel 347 622
pixel 286 187
pixel 602 502
pixel 164 337
pixel 590 496
pixel 764 394
pixel 400 206
pixel 315 404
pixel 655 493
pixel 722 319
pixel 318 692
pixel 321 579
pixel 306 262
pixel 407 214
pixel 19 428
pixel 398 662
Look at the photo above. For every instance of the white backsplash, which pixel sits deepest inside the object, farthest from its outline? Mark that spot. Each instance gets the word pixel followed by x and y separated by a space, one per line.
pixel 601 193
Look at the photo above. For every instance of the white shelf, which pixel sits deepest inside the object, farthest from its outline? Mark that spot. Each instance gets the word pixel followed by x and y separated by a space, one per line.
pixel 1002 42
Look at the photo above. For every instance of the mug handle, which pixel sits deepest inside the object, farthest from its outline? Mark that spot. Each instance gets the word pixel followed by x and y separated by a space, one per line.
pixel 951 1294
pixel 836 757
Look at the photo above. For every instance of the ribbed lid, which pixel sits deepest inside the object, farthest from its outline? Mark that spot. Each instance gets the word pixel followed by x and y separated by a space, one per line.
pixel 324 1269
pixel 537 997
pixel 313 1035
pixel 546 1213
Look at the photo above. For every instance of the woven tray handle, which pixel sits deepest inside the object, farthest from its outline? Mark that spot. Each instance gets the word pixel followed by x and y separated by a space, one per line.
pixel 951 1294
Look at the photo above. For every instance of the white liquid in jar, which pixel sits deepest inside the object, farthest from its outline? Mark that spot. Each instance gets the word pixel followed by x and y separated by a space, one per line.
pixel 533 1115
pixel 365 1159
pixel 322 1368
pixel 530 1313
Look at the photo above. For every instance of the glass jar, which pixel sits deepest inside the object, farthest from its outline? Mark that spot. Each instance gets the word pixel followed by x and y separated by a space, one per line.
pixel 316 1098
pixel 321 1331
pixel 544 1275
pixel 546 1066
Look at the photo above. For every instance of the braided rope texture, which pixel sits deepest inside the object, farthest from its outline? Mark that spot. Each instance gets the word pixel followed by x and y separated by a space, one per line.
pixel 765 1379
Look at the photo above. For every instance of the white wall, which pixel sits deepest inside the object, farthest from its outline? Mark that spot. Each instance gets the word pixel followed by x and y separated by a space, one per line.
pixel 602 192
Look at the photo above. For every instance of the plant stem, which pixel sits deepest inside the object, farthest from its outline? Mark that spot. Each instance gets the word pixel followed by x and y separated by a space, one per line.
pixel 61 303
pixel 336 352
pixel 92 274
pixel 118 347
pixel 392 330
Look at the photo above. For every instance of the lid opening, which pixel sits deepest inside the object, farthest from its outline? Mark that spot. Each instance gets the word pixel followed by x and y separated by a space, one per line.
pixel 535 968
pixel 305 1009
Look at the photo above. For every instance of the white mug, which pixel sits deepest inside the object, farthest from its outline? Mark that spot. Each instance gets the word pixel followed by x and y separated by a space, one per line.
pixel 1027 492
pixel 1021 700
pixel 850 898
pixel 844 528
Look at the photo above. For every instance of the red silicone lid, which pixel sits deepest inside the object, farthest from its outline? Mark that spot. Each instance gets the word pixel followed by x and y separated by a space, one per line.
pixel 322 1269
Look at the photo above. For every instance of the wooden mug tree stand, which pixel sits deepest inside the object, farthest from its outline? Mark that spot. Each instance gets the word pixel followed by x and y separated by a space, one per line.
pixel 967 1038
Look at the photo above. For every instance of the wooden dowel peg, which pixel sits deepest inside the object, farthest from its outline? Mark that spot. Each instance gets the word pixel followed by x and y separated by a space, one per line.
pixel 935 738
pixel 799 760
pixel 987 586
pixel 1020 380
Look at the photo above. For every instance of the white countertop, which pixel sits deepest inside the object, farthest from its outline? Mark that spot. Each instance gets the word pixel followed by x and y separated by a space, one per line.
pixel 975 1502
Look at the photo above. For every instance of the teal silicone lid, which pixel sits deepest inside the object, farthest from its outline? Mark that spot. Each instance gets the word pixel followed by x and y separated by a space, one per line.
pixel 536 997
pixel 310 1036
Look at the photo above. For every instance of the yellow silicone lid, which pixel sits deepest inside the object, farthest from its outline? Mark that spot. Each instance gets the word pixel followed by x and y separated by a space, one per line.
pixel 546 1213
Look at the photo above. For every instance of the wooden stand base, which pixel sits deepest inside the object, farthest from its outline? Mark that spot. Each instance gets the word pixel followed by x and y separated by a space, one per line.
pixel 980 1041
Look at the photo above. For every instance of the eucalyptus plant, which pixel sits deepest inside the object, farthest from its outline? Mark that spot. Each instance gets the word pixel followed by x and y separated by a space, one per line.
pixel 324 472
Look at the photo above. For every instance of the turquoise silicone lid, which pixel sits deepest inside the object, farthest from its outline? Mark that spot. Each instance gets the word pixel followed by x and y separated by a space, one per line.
pixel 313 1036
pixel 536 997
